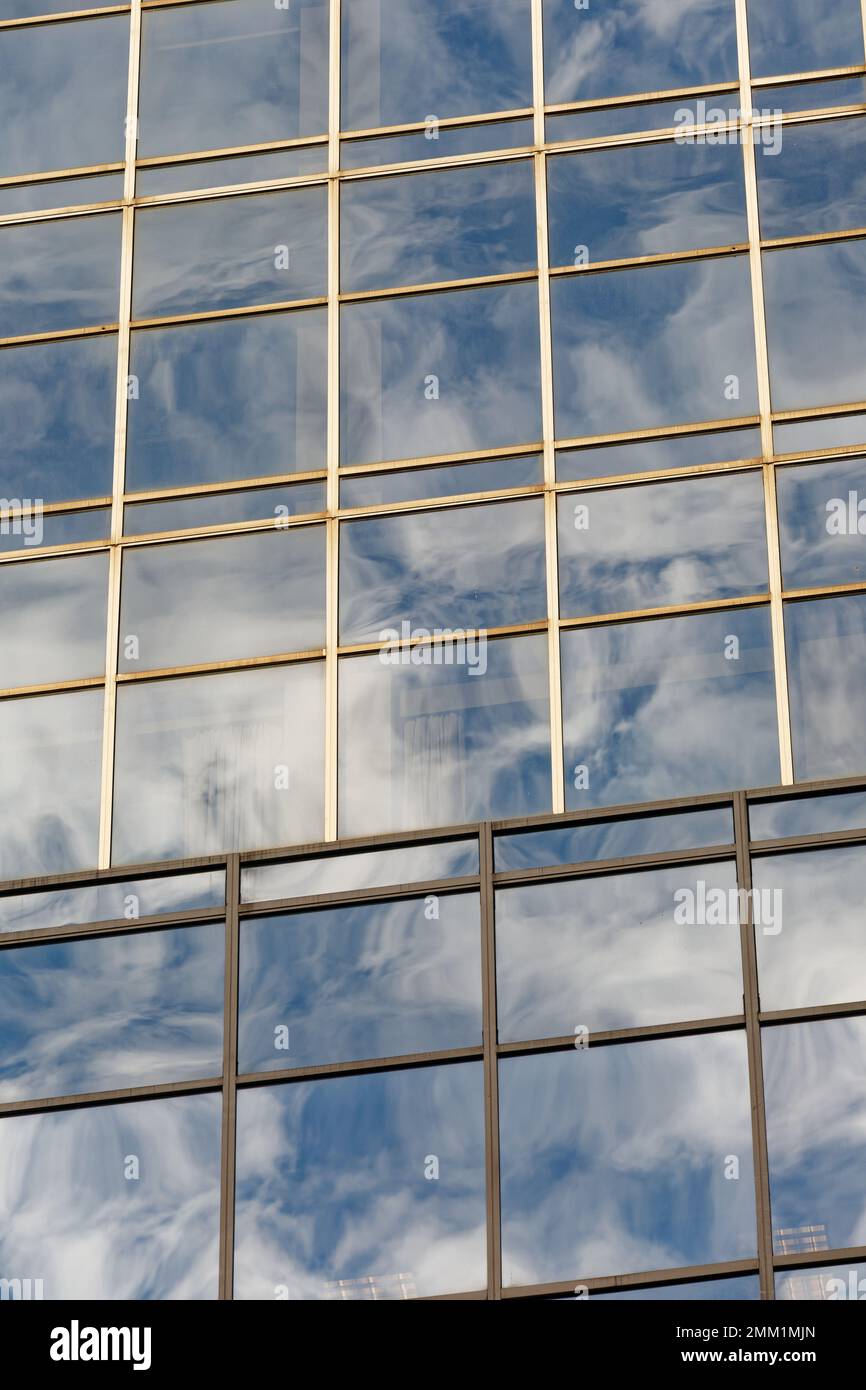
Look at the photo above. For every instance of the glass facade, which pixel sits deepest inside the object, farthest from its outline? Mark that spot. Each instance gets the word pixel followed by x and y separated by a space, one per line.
pixel 417 418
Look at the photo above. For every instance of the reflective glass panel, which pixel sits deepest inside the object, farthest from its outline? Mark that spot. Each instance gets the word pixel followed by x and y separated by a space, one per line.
pixel 236 398
pixel 406 60
pixel 814 297
pixel 56 275
pixel 220 173
pixel 816 1112
pixel 638 1146
pixel 267 588
pixel 339 873
pixel 442 744
pixel 57 419
pixel 614 839
pixel 642 200
pixel 415 484
pixel 436 142
pixel 818 182
pixel 52 620
pixel 683 114
pixel 114 1201
pixel 822 523
pixel 803 436
pixel 800 36
pixel 627 46
pixel 64 94
pixel 664 543
pixel 806 815
pixel 241 73
pixel 424 375
pixel 469 567
pixel 647 456
pixel 826 644
pixel 812 951
pixel 226 253
pixel 477 220
pixel 392 1163
pixel 823 1282
pixel 61 193
pixel 366 980
pixel 21 530
pixel 814 96
pixel 219 762
pixel 631 348
pixel 98 1014
pixel 50 756
pixel 259 504
pixel 671 707
pixel 622 951
pixel 110 900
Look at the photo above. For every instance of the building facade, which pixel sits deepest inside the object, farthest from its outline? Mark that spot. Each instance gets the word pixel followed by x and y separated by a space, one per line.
pixel 432 641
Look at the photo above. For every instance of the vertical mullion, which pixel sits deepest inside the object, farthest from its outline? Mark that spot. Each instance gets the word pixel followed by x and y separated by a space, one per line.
pixel 229 1091
pixel 491 1077
pixel 333 434
pixel 863 12
pixel 751 1010
pixel 120 423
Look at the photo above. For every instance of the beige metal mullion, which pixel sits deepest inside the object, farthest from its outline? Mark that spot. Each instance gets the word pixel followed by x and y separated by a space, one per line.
pixel 120 423
pixel 863 13
pixel 332 582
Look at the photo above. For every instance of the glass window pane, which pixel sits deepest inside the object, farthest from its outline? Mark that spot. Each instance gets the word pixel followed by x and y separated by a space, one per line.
pixel 637 1161
pixel 818 181
pixel 221 173
pixel 614 839
pixel 477 220
pixel 826 644
pixel 815 96
pixel 745 1288
pixel 622 951
pixel 406 61
pixel 52 620
pixel 362 1152
pixel 806 436
pixel 427 744
pixel 825 1282
pixel 367 980
pixel 64 94
pixel 671 707
pixel 652 455
pixel 626 46
pixel 21 530
pixel 268 589
pixel 799 36
pixel 643 200
pixel 452 480
pixel 631 349
pixel 242 73
pixel 470 567
pixel 57 419
pixel 822 523
pixel 432 374
pixel 681 114
pixel 226 253
pixel 806 815
pixel 219 508
pixel 58 275
pixel 111 900
pixel 222 762
pixel 664 543
pixel 813 1085
pixel 236 398
pixel 811 952
pixel 61 193
pixel 98 1014
pixel 814 296
pixel 341 873
pixel 158 1233
pixel 436 142
pixel 50 757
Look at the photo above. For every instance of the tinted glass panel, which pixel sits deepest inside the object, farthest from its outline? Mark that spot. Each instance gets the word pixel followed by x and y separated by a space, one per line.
pixel 393 1165
pixel 110 900
pixel 822 523
pixel 617 952
pixel 436 142
pixel 158 1231
pixel 261 248
pixel 370 980
pixel 414 484
pixel 813 1084
pixel 422 744
pixel 237 398
pixel 405 60
pixel 826 1282
pixel 666 543
pixel 814 296
pixel 61 193
pixel 643 200
pixel 268 589
pixel 684 451
pixel 56 275
pixel 21 530
pixel 672 707
pixel 806 815
pixel 637 1165
pixel 469 567
pixel 683 114
pixel 112 1011
pixel 826 644
pixel 52 620
pixel 818 184
pixel 220 173
pixel 259 504
pixel 218 762
pixel 614 839
pixel 477 221
pixel 233 74
pixel 339 873
pixel 64 95
pixel 631 348
pixel 439 373
pixel 799 36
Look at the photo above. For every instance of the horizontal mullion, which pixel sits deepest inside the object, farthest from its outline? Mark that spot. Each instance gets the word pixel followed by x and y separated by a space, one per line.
pixel 442 887
pixel 628 811
pixel 587 868
pixel 58 335
pixel 153 161
pixel 117 926
pixel 438 286
pixel 223 528
pixel 109 1097
pixel 852 1254
pixel 37 20
pixel 370 1064
pixel 325 849
pixel 814 1013
pixel 209 315
pixel 445 123
pixel 230 664
pixel 705 253
pixel 821 840
pixel 652 1279
pixel 670 611
pixel 441 638
pixel 616 1037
